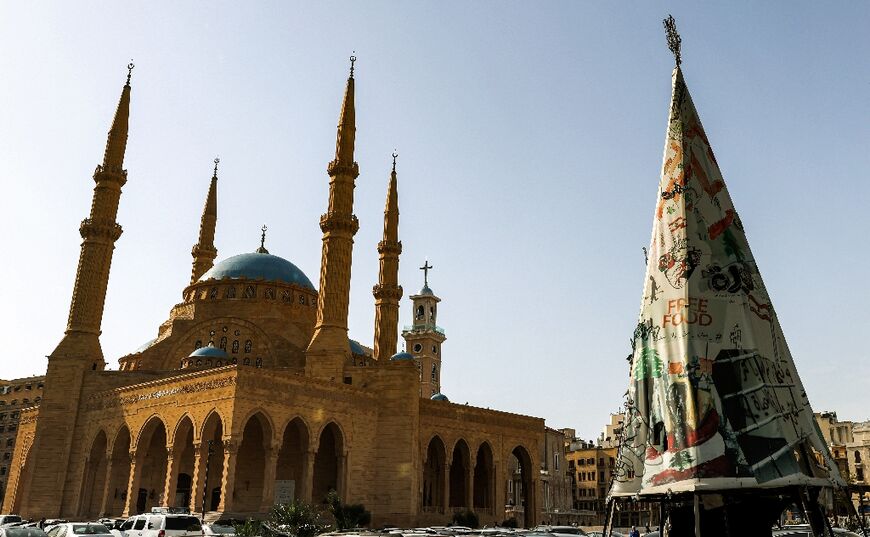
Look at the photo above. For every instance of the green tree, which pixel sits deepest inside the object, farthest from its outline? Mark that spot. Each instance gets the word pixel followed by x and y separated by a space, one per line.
pixel 248 528
pixel 297 518
pixel 347 516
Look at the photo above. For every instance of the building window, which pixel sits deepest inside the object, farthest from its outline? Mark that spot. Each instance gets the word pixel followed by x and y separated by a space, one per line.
pixel 231 292
pixel 302 299
pixel 421 312
pixel 859 474
pixel 251 291
pixel 270 293
pixel 434 374
pixel 418 347
pixel 857 457
pixel 2 470
pixel 212 294
pixel 248 346
pixel 198 344
pixel 236 346
pixel 224 343
pixel 286 296
pixel 28 386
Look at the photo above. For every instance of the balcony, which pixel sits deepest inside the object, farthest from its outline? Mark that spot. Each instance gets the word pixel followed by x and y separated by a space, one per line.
pixel 421 328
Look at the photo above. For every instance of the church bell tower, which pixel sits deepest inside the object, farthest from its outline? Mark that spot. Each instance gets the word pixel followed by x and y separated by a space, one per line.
pixel 424 337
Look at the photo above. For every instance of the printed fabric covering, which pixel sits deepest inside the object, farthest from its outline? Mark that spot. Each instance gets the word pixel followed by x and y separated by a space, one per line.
pixel 715 401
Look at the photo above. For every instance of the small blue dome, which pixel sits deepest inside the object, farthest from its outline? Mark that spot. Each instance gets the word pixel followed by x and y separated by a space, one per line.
pixel 356 348
pixel 440 397
pixel 401 356
pixel 426 291
pixel 209 352
pixel 258 266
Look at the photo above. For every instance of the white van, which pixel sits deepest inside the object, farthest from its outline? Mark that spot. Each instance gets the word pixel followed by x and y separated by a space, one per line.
pixel 161 525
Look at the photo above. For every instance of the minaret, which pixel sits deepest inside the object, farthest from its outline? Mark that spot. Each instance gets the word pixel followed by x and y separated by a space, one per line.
pixel 388 292
pixel 99 231
pixel 79 351
pixel 424 337
pixel 329 347
pixel 204 252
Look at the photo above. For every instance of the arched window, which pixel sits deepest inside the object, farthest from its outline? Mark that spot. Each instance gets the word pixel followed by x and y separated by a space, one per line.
pixel 208 362
pixel 199 361
pixel 286 296
pixel 259 362
pixel 857 456
pixel 251 291
pixel 248 346
pixel 219 363
pixel 235 361
pixel 198 344
pixel 421 311
pixel 213 292
pixel 247 361
pixel 236 346
pixel 231 292
pixel 435 373
pixel 302 299
pixel 224 343
pixel 270 293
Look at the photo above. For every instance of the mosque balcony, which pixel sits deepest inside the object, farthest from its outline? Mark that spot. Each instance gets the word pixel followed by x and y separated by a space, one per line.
pixel 91 228
pixel 334 221
pixel 419 328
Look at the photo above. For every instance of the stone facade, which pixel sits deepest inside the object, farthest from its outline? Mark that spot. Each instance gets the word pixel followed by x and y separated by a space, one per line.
pixel 15 395
pixel 252 393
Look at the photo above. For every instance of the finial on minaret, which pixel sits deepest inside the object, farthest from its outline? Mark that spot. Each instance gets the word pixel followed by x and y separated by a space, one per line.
pixel 217 160
pixel 674 40
pixel 426 268
pixel 130 67
pixel 262 249
pixel 395 154
pixel 352 61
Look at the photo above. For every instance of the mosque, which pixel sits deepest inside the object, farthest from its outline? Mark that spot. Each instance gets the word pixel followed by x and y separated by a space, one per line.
pixel 252 394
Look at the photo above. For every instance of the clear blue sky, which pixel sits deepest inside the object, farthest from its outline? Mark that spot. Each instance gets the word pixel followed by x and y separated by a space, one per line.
pixel 530 139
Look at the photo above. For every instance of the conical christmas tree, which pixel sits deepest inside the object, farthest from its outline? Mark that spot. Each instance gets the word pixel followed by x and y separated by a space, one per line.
pixel 715 402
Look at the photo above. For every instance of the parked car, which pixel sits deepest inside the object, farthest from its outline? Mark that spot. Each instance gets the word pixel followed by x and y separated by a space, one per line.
pixel 21 532
pixel 9 519
pixel 72 529
pixel 161 525
pixel 567 531
pixel 218 529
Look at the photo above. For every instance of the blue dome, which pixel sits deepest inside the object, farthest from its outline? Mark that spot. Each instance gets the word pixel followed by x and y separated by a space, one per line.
pixel 356 348
pixel 209 352
pixel 426 291
pixel 258 266
pixel 400 356
pixel 440 397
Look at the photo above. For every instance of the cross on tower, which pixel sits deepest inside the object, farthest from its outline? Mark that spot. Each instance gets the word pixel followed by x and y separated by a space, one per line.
pixel 425 268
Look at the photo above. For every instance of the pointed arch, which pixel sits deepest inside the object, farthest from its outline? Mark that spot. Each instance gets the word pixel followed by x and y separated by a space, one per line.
pixel 460 474
pixel 213 427
pixel 213 419
pixel 257 433
pixel 94 477
pixel 294 452
pixel 483 481
pixel 119 477
pixel 186 420
pixel 521 490
pixel 328 461
pixel 433 475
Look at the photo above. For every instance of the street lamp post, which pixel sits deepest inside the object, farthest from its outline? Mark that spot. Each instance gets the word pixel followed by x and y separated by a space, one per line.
pixel 205 481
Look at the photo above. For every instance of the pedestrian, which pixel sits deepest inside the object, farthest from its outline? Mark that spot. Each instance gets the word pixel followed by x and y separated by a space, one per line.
pixel 633 532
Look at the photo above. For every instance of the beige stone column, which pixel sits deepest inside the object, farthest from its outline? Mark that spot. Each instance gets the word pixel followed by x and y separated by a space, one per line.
pixel 341 476
pixel 107 486
pixel 307 489
pixel 445 487
pixel 171 482
pixel 269 473
pixel 469 487
pixel 196 479
pixel 228 476
pixel 85 488
pixel 132 484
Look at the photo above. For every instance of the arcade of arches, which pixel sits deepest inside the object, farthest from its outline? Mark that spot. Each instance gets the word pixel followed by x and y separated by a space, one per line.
pixel 239 452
